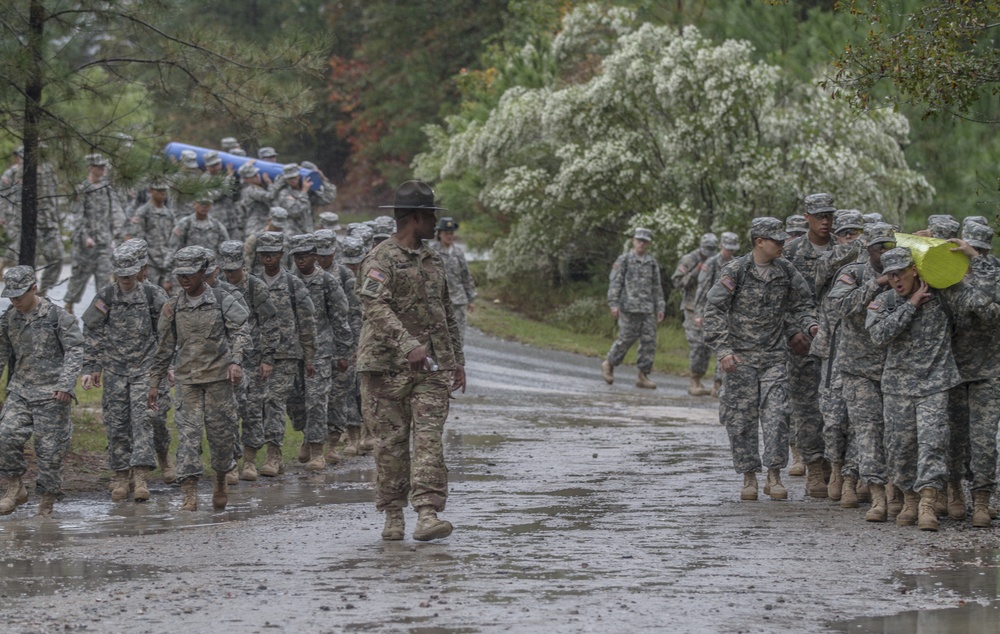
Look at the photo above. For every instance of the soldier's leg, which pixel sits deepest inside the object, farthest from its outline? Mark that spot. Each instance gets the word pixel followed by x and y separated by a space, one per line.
pixel 429 411
pixel 189 419
pixel 221 424
pixel 384 399
pixel 336 411
pixel 932 442
pixel 50 248
pixel 461 319
pixel 297 405
pixel 629 327
pixel 697 350
pixel 84 265
pixel 140 416
pixel 317 402
pixel 116 410
pixel 15 429
pixel 984 414
pixel 253 419
pixel 958 433
pixel 900 414
pixel 803 390
pixel 647 343
pixel 739 411
pixel 53 433
pixel 158 421
pixel 279 388
pixel 773 412
pixel 835 425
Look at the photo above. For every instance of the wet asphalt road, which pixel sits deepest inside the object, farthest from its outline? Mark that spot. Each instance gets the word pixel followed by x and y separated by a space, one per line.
pixel 579 507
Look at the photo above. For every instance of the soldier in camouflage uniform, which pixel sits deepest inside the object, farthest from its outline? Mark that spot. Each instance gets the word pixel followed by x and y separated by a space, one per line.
pixel 635 296
pixel 914 322
pixel 154 222
pixel 10 209
pixel 296 351
pixel 685 279
pixel 292 193
pixel 277 220
pixel 329 220
pixel 709 275
pixel 460 284
pixel 200 228
pixel 42 349
pixel 203 331
pixel 224 197
pixel 860 362
pixel 873 218
pixel 759 303
pixel 796 226
pixel 334 345
pixel 255 200
pixel 119 329
pixel 352 254
pixel 323 195
pixel 942 226
pixel 410 360
pixel 99 219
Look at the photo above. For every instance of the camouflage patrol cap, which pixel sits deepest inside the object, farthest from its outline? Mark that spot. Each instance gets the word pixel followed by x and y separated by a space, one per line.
pixel 248 170
pixel 873 218
pixel 211 263
pixel 446 224
pixel 238 151
pixel 266 152
pixel 384 226
pixel 326 242
pixel 159 185
pixel 352 250
pixel 848 219
pixel 278 216
pixel 228 143
pixel 204 198
pixel 767 227
pixel 212 158
pixel 730 241
pixel 97 160
pixel 879 232
pixel 17 281
pixel 270 242
pixel 943 226
pixel 290 170
pixel 309 165
pixel 141 248
pixel 977 219
pixel 125 260
pixel 978 235
pixel 231 255
pixel 796 225
pixel 819 204
pixel 329 220
pixel 896 259
pixel 189 159
pixel 189 260
pixel 642 234
pixel 301 243
pixel 709 241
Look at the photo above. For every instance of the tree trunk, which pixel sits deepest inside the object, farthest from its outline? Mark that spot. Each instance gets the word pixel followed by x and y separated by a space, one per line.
pixel 32 117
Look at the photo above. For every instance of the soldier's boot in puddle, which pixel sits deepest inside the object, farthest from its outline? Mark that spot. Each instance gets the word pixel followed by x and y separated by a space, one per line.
pixel 140 477
pixel 878 511
pixel 956 502
pixel 303 455
pixel 272 462
pixel 316 460
pixel 774 487
pixel 220 491
pixel 695 388
pixel 120 485
pixel 46 503
pixel 395 525
pixel 981 509
pixel 189 489
pixel 168 469
pixel 908 515
pixel 642 380
pixel 607 372
pixel 749 490
pixel 835 487
pixel 849 493
pixel 796 468
pixel 893 499
pixel 429 526
pixel 249 472
pixel 926 515
pixel 332 455
pixel 815 481
pixel 13 496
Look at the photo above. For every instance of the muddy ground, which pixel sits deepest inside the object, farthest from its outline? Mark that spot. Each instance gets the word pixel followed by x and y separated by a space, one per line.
pixel 579 507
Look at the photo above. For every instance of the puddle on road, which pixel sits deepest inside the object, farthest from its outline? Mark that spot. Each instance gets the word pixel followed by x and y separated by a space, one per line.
pixel 38 577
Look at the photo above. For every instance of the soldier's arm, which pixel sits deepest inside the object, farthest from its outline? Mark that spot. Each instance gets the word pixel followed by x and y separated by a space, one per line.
pixel 833 260
pixel 6 349
pixel 270 336
pixel 718 304
pixel 467 281
pixel 616 282
pixel 802 308
pixel 851 296
pixel 306 320
pixel 165 347
pixel 235 316
pixel 884 323
pixel 706 279
pixel 354 302
pixel 454 333
pixel 337 311
pixel 94 321
pixel 76 216
pixel 686 274
pixel 965 298
pixel 72 342
pixel 119 223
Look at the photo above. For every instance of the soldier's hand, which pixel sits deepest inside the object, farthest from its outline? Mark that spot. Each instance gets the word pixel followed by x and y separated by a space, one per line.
pixel 86 381
pixel 800 344
pixel 343 364
pixel 416 358
pixel 170 378
pixel 264 371
pixel 470 307
pixel 89 243
pixel 728 363
pixel 964 247
pixel 310 370
pixel 62 397
pixel 883 280
pixel 97 378
pixel 151 399
pixel 615 313
pixel 306 184
pixel 235 373
pixel 169 287
pixel 922 295
pixel 923 233
pixel 459 381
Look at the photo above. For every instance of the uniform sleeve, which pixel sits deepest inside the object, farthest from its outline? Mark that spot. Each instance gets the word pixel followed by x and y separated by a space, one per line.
pixel 337 311
pixel 94 321
pixel 467 281
pixel 119 223
pixel 616 282
pixel 706 279
pixel 165 348
pixel 375 286
pixel 718 303
pixel 6 349
pixel 72 342
pixel 78 224
pixel 850 295
pixel 661 301
pixel 305 313
pixel 801 316
pixel 968 299
pixel 353 301
pixel 884 323
pixel 236 325
pixel 269 334
pixel 686 274
pixel 454 331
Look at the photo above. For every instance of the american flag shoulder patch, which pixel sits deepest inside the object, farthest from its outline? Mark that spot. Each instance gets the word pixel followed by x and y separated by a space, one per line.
pixel 378 276
pixel 101 306
pixel 728 282
pixel 846 278
pixel 875 305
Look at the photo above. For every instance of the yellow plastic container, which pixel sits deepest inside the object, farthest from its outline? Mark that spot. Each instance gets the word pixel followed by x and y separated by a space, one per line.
pixel 937 264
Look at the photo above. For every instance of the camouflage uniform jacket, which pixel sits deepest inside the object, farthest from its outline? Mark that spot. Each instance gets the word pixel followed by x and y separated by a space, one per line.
pixel 706 280
pixel 818 267
pixel 45 348
pixel 296 203
pixel 754 317
pixel 975 343
pixel 264 337
pixel 10 205
pixel 207 333
pixel 853 290
pixel 635 285
pixel 190 231
pixel 685 277
pixel 460 284
pixel 155 225
pixel 333 333
pixel 406 305
pixel 294 317
pixel 253 207
pixel 48 200
pixel 97 214
pixel 120 331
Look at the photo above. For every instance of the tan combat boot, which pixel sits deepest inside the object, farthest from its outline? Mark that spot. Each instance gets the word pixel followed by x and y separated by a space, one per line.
pixel 68 306
pixel 878 511
pixel 893 499
pixel 139 482
pixel 220 491
pixel 695 388
pixel 14 496
pixel 774 487
pixel 332 455
pixel 716 388
pixel 189 488
pixel 120 485
pixel 835 487
pixel 849 493
pixel 981 509
pixel 797 468
pixel 272 462
pixel 395 525
pixel 908 515
pixel 607 372
pixel 926 515
pixel 233 475
pixel 864 495
pixel 429 526
pixel 749 491
pixel 941 503
pixel 352 446
pixel 642 380
pixel 45 504
pixel 956 502
pixel 367 444
pixel 303 456
pixel 168 469
pixel 249 472
pixel 316 460
pixel 815 481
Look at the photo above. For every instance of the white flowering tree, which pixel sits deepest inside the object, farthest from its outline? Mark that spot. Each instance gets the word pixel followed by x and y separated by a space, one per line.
pixel 640 125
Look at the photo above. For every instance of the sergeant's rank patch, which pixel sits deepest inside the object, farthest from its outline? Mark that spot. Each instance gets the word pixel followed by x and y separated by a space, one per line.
pixel 846 278
pixel 875 305
pixel 101 306
pixel 728 282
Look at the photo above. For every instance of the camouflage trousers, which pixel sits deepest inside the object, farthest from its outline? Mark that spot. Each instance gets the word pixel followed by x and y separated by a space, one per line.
pixel 916 431
pixel 396 407
pixel 207 409
pixel 49 421
pixel 979 403
pixel 250 396
pixel 279 389
pixel 698 350
pixel 345 407
pixel 88 263
pixel 632 327
pixel 462 319
pixel 128 421
pixel 750 397
pixel 309 403
pixel 838 435
pixel 804 415
pixel 50 254
pixel 863 398
pixel 158 420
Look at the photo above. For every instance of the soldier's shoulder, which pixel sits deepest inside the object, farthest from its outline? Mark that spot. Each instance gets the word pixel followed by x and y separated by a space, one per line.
pixel 156 291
